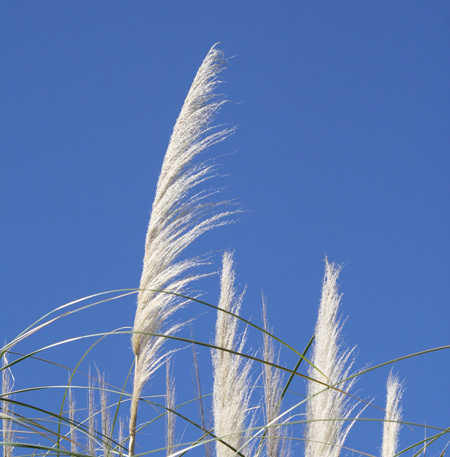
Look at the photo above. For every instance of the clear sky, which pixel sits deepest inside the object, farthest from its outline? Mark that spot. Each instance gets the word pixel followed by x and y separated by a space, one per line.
pixel 342 149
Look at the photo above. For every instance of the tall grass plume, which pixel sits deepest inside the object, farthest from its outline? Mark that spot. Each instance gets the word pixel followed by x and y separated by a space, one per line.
pixel 180 214
pixel 392 418
pixel 6 408
pixel 273 388
pixel 231 390
pixel 327 408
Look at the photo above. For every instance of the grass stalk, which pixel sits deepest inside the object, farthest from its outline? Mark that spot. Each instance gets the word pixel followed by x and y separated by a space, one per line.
pixel 72 427
pixel 170 406
pixel 105 416
pixel 91 442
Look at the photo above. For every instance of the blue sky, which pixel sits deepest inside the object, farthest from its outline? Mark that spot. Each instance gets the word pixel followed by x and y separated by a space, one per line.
pixel 342 149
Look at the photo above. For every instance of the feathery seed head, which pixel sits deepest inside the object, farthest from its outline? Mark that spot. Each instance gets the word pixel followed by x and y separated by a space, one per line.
pixel 325 431
pixel 273 380
pixel 180 214
pixel 231 392
pixel 391 426
pixel 7 423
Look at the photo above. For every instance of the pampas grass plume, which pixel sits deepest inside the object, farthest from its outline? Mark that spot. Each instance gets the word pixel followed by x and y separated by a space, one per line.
pixel 391 425
pixel 231 390
pixel 180 214
pixel 273 387
pixel 326 408
pixel 7 423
